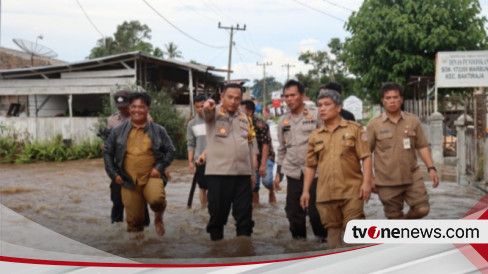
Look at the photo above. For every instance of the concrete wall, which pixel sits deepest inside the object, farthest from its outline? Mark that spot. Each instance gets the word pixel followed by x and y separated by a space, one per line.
pixel 44 128
pixel 184 111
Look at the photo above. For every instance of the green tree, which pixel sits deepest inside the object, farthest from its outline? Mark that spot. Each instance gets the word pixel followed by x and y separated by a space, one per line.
pixel 158 52
pixel 164 113
pixel 104 47
pixel 172 51
pixel 130 36
pixel 271 85
pixel 327 65
pixel 324 63
pixel 392 40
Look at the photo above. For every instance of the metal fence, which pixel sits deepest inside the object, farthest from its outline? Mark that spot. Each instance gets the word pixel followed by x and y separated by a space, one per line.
pixel 452 107
pixel 477 108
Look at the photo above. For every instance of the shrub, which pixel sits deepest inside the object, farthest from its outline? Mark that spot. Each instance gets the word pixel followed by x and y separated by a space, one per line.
pixel 164 113
pixel 14 149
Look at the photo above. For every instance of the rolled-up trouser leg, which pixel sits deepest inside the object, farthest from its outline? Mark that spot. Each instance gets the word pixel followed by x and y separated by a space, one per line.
pixel 269 178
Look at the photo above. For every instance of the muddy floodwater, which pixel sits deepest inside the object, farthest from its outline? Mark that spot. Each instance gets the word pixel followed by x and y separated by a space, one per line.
pixel 72 198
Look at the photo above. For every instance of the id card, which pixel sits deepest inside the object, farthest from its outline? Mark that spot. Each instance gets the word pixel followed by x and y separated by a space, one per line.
pixel 406 143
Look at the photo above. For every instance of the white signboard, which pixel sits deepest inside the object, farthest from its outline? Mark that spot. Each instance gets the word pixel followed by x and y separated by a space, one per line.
pixel 276 94
pixel 462 69
pixel 354 105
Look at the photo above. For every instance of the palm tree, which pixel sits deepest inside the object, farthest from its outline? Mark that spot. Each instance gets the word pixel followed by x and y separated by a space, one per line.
pixel 172 51
pixel 157 52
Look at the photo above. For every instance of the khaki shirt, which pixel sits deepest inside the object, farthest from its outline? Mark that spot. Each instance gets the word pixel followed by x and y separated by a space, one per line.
pixel 228 149
pixel 393 146
pixel 338 156
pixel 139 157
pixel 116 119
pixel 293 134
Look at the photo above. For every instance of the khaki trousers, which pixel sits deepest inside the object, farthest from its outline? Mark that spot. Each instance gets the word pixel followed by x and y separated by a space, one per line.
pixel 135 202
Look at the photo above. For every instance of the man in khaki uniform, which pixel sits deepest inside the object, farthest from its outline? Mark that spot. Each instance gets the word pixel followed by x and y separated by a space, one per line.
pixel 229 163
pixel 294 129
pixel 136 155
pixel 121 99
pixel 394 137
pixel 337 150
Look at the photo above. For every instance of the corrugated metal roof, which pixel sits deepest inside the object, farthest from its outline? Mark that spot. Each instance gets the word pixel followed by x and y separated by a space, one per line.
pixel 100 62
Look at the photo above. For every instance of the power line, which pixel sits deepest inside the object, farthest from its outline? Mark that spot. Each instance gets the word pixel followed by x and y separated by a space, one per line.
pixel 337 5
pixel 288 66
pixel 180 30
pixel 232 28
pixel 317 10
pixel 88 17
pixel 244 64
pixel 264 84
pixel 201 14
pixel 253 52
pixel 212 60
pixel 250 42
pixel 217 10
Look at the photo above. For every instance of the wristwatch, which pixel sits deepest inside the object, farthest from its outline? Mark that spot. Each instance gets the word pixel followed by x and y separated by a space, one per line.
pixel 431 167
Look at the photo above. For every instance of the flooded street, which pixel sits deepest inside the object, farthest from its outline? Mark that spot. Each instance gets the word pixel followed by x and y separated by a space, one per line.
pixel 72 198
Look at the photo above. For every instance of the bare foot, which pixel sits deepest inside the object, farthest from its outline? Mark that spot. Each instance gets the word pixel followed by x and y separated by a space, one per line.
pixel 272 197
pixel 158 223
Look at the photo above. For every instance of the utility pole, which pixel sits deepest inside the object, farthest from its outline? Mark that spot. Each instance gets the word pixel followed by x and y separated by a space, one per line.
pixel 264 86
pixel 288 66
pixel 232 28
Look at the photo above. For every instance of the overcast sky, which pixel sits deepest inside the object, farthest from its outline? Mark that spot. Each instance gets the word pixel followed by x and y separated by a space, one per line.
pixel 276 30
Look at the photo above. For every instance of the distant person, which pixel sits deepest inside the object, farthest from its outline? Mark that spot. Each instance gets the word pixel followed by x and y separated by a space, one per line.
pixel 336 150
pixel 294 129
pixel 136 155
pixel 266 155
pixel 338 87
pixel 121 99
pixel 196 136
pixel 229 163
pixel 258 108
pixel 394 138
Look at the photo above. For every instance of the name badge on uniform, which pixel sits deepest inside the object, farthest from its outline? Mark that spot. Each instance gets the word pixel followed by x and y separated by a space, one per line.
pixel 406 143
pixel 223 131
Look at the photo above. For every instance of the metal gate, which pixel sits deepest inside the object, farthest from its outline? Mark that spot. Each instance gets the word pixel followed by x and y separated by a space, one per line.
pixel 475 162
